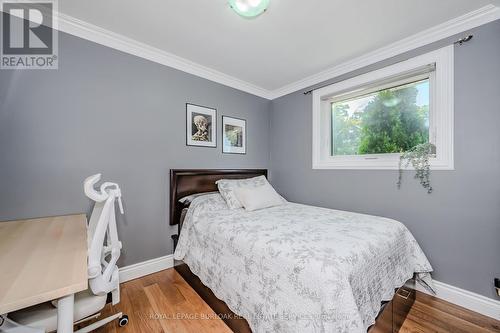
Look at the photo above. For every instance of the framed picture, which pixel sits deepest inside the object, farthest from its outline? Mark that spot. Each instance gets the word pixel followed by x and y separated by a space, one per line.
pixel 234 135
pixel 201 126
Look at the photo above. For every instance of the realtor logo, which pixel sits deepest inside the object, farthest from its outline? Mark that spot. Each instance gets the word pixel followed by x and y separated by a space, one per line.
pixel 29 35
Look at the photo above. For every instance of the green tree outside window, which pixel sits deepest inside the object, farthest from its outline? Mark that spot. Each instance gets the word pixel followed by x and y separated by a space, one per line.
pixel 389 121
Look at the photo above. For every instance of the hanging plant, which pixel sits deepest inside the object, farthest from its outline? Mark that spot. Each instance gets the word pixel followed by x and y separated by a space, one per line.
pixel 418 157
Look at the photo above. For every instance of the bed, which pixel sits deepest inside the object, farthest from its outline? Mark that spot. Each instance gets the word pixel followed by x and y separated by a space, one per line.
pixel 293 267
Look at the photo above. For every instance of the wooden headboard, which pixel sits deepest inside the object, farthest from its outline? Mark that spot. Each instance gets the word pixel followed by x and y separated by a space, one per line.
pixel 189 181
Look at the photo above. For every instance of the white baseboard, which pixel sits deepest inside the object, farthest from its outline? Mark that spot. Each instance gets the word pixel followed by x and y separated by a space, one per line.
pixel 464 298
pixel 144 268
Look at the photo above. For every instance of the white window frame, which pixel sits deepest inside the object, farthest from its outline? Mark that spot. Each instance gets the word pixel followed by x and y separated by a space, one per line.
pixel 441 113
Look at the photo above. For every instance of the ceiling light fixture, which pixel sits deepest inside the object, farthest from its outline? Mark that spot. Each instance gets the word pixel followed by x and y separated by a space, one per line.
pixel 249 8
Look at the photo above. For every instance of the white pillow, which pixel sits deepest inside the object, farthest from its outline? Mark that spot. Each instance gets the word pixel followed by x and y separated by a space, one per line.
pixel 253 198
pixel 227 187
pixel 187 200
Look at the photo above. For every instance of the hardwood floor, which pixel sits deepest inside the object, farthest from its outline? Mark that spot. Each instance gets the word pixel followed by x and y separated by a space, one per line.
pixel 431 314
pixel 164 302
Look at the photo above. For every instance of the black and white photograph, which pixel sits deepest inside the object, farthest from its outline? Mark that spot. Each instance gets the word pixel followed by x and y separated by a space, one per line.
pixel 234 135
pixel 201 126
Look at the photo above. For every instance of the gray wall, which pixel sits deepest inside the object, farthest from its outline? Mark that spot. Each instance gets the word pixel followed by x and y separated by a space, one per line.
pixel 458 225
pixel 110 112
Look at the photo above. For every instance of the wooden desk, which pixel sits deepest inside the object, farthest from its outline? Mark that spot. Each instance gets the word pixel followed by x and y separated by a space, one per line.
pixel 41 260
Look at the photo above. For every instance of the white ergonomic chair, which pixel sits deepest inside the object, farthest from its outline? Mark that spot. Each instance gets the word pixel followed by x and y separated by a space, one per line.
pixel 103 253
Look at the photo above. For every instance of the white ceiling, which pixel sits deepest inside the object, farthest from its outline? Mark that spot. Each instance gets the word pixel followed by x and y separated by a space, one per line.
pixel 292 40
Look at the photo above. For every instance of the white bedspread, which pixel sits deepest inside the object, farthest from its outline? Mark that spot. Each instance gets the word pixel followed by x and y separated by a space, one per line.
pixel 298 268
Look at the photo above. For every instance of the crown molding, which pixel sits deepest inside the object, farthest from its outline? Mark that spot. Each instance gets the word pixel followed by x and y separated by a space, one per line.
pixel 93 33
pixel 96 34
pixel 447 29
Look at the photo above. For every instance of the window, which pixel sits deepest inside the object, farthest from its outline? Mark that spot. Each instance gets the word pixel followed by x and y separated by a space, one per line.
pixel 367 121
pixel 388 120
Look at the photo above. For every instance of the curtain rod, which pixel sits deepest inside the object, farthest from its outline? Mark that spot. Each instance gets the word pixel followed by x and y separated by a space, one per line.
pixel 459 42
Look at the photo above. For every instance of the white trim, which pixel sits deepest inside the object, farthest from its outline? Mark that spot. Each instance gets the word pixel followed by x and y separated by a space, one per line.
pixel 442 105
pixel 464 298
pixel 447 29
pixel 144 268
pixel 79 28
pixel 82 29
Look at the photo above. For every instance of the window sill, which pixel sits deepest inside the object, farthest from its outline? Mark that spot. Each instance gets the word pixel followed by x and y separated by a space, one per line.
pixel 375 163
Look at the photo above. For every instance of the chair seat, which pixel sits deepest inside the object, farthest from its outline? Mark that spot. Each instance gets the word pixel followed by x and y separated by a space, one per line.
pixel 45 315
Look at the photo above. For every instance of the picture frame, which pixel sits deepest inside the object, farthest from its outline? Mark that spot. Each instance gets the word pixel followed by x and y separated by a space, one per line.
pixel 234 135
pixel 201 126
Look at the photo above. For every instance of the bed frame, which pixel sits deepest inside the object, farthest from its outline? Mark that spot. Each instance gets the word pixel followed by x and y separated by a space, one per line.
pixel 189 181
